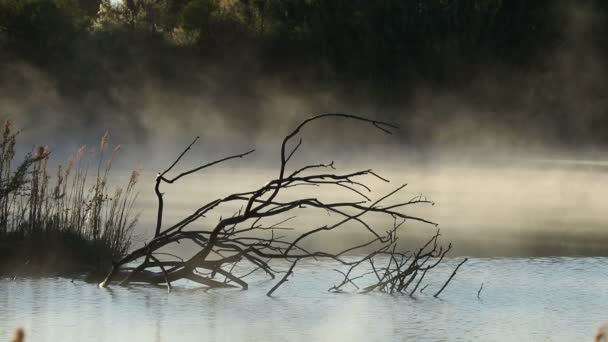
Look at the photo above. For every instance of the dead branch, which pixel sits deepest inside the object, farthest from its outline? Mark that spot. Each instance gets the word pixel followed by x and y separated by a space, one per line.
pixel 451 276
pixel 284 279
pixel 249 235
pixel 479 291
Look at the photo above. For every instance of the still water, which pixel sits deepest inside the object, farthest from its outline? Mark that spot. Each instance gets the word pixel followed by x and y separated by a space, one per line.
pixel 523 299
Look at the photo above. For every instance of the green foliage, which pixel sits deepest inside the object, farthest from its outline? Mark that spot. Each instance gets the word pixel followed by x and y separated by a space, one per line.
pixel 355 35
pixel 380 45
pixel 197 14
pixel 41 26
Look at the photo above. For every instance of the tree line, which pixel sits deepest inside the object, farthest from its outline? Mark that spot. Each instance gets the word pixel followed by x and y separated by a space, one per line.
pixel 545 60
pixel 373 40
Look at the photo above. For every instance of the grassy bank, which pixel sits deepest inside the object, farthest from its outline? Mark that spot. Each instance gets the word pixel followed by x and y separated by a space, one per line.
pixel 62 221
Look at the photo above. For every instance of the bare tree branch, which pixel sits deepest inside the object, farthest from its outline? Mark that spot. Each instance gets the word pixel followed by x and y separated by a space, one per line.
pixel 250 235
pixel 284 279
pixel 451 276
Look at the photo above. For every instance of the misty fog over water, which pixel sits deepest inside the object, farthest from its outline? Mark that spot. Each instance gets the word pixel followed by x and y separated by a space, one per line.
pixel 509 141
pixel 495 114
pixel 492 206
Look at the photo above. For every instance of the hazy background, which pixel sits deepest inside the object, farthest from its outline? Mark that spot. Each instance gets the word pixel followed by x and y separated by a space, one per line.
pixel 502 105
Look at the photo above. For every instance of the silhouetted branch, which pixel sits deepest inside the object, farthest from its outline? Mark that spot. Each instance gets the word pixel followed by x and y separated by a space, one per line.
pixel 479 291
pixel 451 276
pixel 284 279
pixel 248 236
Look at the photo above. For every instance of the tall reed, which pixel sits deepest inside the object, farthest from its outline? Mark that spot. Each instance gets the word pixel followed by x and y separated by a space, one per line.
pixel 75 202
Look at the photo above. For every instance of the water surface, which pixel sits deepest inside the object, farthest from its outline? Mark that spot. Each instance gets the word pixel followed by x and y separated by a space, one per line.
pixel 557 299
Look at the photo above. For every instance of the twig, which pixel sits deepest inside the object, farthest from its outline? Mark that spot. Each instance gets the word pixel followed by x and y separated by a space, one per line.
pixel 479 291
pixel 418 283
pixel 164 273
pixel 284 279
pixel 452 276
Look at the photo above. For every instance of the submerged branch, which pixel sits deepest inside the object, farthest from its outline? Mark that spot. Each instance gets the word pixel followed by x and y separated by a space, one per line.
pixel 284 279
pixel 449 279
pixel 247 237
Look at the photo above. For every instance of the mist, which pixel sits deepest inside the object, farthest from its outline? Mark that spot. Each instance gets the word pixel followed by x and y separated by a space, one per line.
pixel 449 180
pixel 514 157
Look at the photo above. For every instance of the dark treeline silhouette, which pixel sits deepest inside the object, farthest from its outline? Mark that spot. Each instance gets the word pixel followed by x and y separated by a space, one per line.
pixel 379 41
pixel 388 48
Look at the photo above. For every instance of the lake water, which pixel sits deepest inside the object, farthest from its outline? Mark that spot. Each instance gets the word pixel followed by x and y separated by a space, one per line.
pixel 523 299
pixel 486 212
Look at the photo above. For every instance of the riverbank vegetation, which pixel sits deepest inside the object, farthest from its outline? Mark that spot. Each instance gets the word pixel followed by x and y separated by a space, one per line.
pixel 386 41
pixel 62 220
pixel 513 66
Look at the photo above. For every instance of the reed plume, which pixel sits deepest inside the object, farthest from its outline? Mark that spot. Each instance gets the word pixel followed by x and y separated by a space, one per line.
pixel 19 335
pixel 72 202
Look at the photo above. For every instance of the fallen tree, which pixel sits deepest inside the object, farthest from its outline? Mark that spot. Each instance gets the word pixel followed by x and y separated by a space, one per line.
pixel 250 236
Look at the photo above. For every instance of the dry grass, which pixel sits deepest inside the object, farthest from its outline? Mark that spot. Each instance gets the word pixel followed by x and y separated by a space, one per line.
pixel 67 218
pixel 19 336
